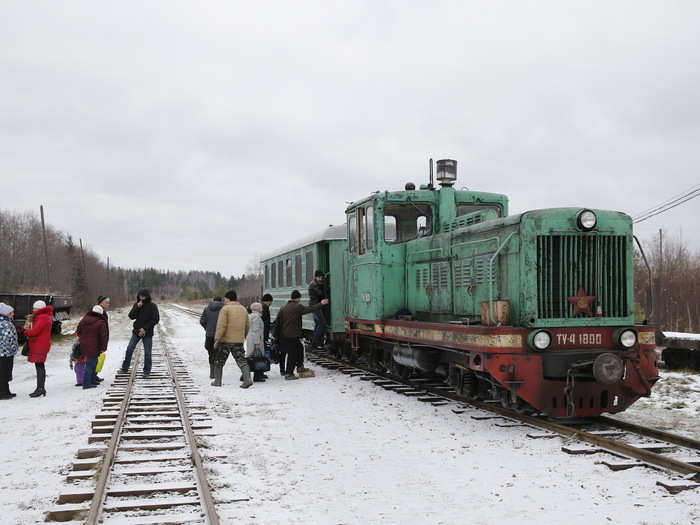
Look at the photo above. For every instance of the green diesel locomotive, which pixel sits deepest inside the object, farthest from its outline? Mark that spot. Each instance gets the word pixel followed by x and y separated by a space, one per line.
pixel 534 310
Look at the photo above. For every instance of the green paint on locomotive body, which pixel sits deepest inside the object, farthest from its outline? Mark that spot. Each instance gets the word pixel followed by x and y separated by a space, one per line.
pixel 472 252
pixel 439 254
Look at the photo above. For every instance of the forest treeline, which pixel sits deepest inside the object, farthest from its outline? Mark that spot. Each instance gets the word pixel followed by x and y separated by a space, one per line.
pixel 84 275
pixel 672 280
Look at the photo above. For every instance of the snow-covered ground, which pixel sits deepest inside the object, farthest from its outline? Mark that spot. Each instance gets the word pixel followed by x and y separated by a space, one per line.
pixel 39 437
pixel 336 450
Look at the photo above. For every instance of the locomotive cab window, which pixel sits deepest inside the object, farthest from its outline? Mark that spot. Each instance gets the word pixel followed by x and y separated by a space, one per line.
pixel 352 232
pixel 405 222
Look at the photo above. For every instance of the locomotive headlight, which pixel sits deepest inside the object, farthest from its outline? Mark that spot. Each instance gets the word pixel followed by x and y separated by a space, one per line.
pixel 586 220
pixel 627 338
pixel 540 340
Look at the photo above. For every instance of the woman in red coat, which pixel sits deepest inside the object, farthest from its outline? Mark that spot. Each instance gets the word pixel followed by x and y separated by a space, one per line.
pixel 92 331
pixel 39 340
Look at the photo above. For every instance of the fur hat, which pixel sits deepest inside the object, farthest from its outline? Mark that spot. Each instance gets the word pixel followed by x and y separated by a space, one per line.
pixel 6 309
pixel 38 305
pixel 98 309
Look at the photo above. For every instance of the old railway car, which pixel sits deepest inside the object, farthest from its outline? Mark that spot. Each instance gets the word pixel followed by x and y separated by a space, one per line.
pixel 292 268
pixel 22 303
pixel 534 310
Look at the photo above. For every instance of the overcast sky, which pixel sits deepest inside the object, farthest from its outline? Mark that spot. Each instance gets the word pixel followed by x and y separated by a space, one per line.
pixel 195 135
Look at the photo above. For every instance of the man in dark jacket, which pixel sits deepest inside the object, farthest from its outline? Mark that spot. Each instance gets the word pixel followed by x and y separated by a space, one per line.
pixel 208 319
pixel 290 330
pixel 266 302
pixel 317 293
pixel 145 315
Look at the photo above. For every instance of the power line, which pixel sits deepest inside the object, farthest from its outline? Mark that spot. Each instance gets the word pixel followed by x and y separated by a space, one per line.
pixel 668 207
pixel 668 201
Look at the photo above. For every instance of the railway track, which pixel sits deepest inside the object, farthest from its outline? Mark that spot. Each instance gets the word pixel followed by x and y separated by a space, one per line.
pixel 142 465
pixel 627 445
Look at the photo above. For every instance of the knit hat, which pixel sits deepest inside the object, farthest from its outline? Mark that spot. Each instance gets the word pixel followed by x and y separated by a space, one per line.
pixel 101 298
pixel 39 305
pixel 6 309
pixel 98 309
pixel 319 273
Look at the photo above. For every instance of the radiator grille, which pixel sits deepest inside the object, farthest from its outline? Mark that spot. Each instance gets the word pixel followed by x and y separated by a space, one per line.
pixel 595 262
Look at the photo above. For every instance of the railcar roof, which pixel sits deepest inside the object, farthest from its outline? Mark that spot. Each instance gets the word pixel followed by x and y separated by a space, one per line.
pixel 332 233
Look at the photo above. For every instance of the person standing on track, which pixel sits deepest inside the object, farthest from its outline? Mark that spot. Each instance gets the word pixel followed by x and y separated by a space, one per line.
pixel 208 319
pixel 93 335
pixel 290 330
pixel 231 330
pixel 39 341
pixel 8 349
pixel 318 291
pixel 146 316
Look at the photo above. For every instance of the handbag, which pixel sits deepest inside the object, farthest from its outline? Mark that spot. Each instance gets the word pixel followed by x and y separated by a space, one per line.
pixel 76 352
pixel 25 349
pixel 258 363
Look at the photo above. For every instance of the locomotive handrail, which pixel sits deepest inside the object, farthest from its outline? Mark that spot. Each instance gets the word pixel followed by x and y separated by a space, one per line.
pixel 493 257
pixel 646 263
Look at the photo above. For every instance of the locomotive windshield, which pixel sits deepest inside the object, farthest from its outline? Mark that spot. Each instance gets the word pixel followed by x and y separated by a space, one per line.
pixel 405 222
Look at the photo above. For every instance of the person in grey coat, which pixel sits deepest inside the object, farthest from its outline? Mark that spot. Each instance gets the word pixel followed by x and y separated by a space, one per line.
pixel 255 340
pixel 8 349
pixel 208 320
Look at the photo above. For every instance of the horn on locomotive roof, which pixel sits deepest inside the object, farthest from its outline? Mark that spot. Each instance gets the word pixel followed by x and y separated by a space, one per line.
pixel 446 172
pixel 431 184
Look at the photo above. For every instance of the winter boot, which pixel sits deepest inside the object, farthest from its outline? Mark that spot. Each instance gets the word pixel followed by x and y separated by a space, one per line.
pixel 212 368
pixel 218 372
pixel 40 382
pixel 247 381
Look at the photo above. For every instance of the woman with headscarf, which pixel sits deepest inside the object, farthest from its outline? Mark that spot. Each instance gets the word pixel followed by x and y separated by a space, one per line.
pixel 254 341
pixel 39 341
pixel 93 335
pixel 8 349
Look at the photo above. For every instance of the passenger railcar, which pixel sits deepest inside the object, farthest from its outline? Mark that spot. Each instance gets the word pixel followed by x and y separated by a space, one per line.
pixel 534 310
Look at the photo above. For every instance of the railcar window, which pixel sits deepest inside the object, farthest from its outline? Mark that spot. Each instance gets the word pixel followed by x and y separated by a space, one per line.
pixel 361 232
pixel 464 209
pixel 309 267
pixel 280 274
pixel 369 234
pixel 352 232
pixel 288 266
pixel 297 269
pixel 405 222
pixel 273 272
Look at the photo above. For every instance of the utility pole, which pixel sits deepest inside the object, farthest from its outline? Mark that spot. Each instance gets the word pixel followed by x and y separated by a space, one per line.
pixel 82 258
pixel 46 250
pixel 659 283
